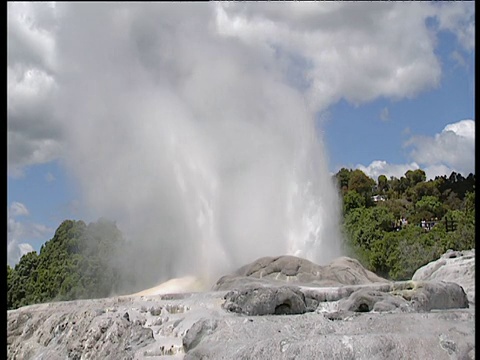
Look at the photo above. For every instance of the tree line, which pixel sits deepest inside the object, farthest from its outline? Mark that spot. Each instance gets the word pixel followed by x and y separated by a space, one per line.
pixel 381 224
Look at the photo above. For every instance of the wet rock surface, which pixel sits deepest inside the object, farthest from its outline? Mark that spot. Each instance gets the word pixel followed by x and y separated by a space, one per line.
pixel 275 313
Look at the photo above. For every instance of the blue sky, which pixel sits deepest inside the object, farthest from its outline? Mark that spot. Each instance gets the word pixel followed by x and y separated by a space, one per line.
pixel 386 96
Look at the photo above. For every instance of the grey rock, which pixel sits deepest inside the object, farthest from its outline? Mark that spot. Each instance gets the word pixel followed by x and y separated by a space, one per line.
pixel 197 332
pixel 365 300
pixel 421 319
pixel 293 270
pixel 453 266
pixel 281 300
pixel 446 335
pixel 406 296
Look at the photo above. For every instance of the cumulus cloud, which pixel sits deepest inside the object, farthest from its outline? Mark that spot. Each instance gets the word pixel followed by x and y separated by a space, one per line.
pixel 34 135
pixel 20 230
pixel 460 20
pixel 356 51
pixel 453 149
pixel 17 209
pixel 381 167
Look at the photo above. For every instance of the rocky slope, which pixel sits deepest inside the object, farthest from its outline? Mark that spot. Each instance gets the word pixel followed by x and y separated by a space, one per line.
pixel 273 308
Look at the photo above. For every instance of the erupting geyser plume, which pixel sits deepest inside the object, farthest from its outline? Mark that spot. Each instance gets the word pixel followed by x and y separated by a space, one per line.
pixel 198 143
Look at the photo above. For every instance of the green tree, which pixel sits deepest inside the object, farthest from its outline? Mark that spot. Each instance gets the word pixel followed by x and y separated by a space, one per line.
pixel 363 227
pixel 352 200
pixel 76 263
pixel 343 177
pixel 422 189
pixel 362 184
pixel 428 207
pixel 415 177
pixel 382 184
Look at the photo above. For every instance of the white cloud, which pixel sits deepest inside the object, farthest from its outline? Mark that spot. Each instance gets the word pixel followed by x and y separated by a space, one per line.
pixel 17 209
pixel 16 250
pixel 19 232
pixel 33 134
pixel 451 150
pixel 15 231
pixel 460 20
pixel 30 33
pixel 381 167
pixel 454 148
pixel 356 51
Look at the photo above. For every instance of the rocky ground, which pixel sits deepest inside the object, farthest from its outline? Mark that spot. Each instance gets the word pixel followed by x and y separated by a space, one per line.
pixel 274 308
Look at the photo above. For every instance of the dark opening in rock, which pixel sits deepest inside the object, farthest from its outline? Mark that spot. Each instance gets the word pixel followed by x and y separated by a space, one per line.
pixel 363 308
pixel 283 309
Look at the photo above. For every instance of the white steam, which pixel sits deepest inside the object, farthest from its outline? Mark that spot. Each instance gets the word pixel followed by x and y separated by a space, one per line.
pixel 202 155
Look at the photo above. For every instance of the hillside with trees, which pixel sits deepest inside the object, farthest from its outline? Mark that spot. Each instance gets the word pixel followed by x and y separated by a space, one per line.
pixel 392 226
pixel 77 263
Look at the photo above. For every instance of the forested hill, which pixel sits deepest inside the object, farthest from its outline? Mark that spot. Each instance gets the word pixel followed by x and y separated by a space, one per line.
pixel 77 263
pixel 393 226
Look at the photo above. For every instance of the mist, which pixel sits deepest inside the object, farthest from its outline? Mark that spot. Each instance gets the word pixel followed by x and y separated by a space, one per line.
pixel 196 143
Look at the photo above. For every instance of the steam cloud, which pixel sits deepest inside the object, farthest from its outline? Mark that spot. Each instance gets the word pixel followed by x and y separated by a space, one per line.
pixel 192 141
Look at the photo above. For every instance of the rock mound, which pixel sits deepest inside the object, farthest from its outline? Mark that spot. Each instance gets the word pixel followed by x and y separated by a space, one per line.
pixel 297 271
pixel 283 300
pixel 292 285
pixel 453 266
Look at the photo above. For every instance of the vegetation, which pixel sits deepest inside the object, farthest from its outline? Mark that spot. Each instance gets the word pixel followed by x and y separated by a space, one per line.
pixel 382 226
pixel 412 221
pixel 76 263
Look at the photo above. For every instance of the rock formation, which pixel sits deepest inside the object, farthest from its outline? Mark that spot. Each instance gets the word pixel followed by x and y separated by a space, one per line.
pixel 453 266
pixel 274 308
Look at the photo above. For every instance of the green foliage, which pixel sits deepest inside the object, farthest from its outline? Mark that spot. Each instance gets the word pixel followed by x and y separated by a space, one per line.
pixel 428 207
pixel 365 227
pixel 362 184
pixel 382 184
pixel 76 263
pixel 343 177
pixel 396 252
pixel 352 200
pixel 415 177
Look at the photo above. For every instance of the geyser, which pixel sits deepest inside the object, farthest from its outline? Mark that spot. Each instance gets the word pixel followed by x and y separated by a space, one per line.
pixel 193 141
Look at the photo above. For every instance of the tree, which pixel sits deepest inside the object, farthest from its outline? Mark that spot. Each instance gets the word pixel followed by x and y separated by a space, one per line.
pixel 422 189
pixel 343 177
pixel 76 263
pixel 429 207
pixel 363 227
pixel 362 184
pixel 415 177
pixel 469 203
pixel 382 184
pixel 352 200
